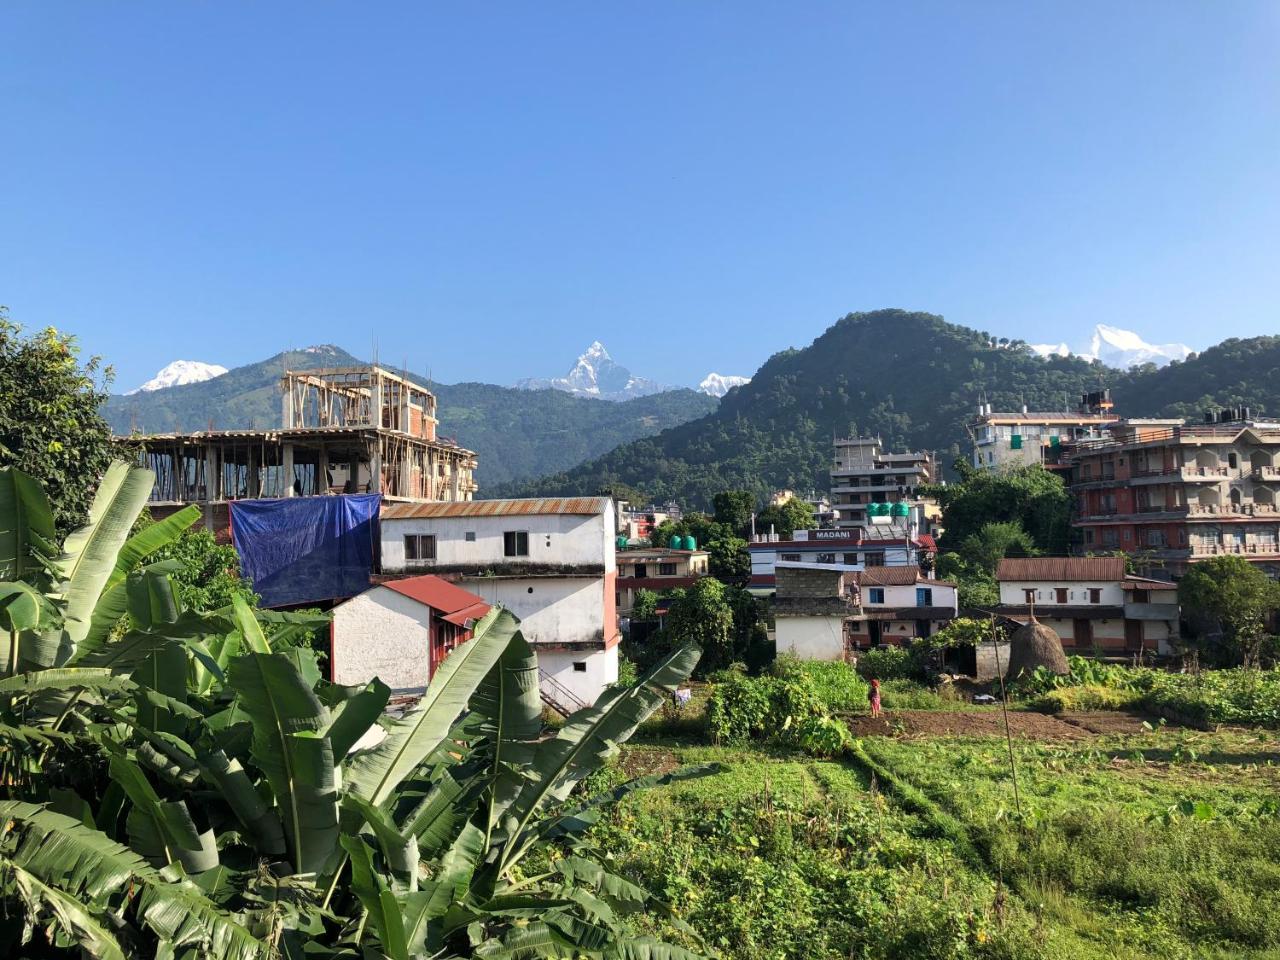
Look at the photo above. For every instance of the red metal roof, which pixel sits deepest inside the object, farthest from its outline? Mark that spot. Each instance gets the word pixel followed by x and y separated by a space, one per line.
pixel 1061 568
pixel 583 506
pixel 899 576
pixel 452 602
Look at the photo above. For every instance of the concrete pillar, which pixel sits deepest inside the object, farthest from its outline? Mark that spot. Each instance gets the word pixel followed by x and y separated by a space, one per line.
pixel 375 470
pixel 254 478
pixel 322 470
pixel 287 469
pixel 212 474
pixel 286 412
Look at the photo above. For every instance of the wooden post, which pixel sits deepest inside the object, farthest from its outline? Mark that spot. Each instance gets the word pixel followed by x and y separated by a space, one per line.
pixel 322 470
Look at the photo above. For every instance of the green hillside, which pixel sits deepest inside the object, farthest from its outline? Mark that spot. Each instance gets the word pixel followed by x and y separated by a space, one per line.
pixel 518 434
pixel 911 378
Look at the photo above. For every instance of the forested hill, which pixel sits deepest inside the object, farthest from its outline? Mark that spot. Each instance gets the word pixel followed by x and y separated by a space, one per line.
pixel 912 379
pixel 518 434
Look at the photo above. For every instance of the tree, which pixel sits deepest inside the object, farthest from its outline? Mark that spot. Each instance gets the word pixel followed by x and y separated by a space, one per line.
pixel 993 542
pixel 733 508
pixel 645 605
pixel 50 427
pixel 1229 599
pixel 1031 496
pixel 207 573
pixel 728 559
pixel 976 588
pixel 701 615
pixel 786 518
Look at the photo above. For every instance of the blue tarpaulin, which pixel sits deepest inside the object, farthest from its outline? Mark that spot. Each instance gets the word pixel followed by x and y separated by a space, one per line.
pixel 306 549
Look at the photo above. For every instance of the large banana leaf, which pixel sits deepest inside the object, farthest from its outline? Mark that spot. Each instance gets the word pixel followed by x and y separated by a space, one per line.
pixel 28 539
pixel 88 561
pixel 291 748
pixel 376 775
pixel 509 707
pixel 74 919
pixel 581 746
pixel 92 868
pixel 111 604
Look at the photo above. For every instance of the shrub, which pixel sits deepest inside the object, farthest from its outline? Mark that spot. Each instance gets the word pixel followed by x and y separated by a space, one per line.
pixel 1086 697
pixel 836 683
pixel 909 695
pixel 739 709
pixel 822 736
pixel 888 663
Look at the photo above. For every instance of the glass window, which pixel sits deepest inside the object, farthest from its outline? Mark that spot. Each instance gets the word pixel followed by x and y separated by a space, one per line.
pixel 419 547
pixel 826 558
pixel 515 543
pixel 789 557
pixel 875 560
pixel 666 569
pixel 1095 595
pixel 875 595
pixel 470 536
pixel 579 666
pixel 924 596
pixel 850 559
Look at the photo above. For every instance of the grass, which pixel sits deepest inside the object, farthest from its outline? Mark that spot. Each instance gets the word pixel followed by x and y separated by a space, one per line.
pixel 1157 845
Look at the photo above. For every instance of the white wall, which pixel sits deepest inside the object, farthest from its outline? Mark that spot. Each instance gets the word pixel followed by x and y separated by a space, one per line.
pixel 553 538
pixel 811 638
pixel 1012 592
pixel 383 634
pixel 905 595
pixel 551 609
pixel 602 670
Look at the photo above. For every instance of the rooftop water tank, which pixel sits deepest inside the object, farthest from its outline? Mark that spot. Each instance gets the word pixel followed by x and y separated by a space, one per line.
pixel 689 543
pixel 674 542
pixel 901 510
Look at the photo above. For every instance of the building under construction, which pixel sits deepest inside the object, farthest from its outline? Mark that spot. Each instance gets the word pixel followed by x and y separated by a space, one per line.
pixel 345 430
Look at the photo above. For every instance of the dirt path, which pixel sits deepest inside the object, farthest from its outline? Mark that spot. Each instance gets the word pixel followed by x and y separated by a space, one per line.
pixel 990 723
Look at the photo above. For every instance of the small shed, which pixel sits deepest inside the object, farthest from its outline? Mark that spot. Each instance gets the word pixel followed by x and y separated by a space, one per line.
pixel 400 631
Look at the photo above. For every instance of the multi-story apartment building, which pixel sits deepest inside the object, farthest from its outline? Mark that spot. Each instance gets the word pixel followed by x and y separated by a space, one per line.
pixel 865 478
pixel 657 569
pixel 1177 493
pixel 550 561
pixel 1003 440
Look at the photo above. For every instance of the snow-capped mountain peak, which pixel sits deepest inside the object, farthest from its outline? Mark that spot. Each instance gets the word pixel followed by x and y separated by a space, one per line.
pixel 181 372
pixel 596 374
pixel 1116 347
pixel 717 385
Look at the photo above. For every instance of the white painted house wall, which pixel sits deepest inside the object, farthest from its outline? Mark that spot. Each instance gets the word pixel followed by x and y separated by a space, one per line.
pixel 383 634
pixel 601 670
pixel 553 539
pixel 551 609
pixel 810 638
pixel 1013 592
pixel 905 595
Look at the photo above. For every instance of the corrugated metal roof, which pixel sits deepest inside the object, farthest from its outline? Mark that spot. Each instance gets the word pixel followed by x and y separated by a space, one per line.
pixel 566 506
pixel 1061 568
pixel 891 576
pixel 455 604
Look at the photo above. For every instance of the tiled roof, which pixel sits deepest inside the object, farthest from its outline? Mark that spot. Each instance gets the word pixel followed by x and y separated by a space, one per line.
pixel 1061 568
pixel 569 506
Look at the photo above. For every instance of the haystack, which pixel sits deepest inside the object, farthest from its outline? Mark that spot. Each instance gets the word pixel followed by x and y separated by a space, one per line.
pixel 1035 645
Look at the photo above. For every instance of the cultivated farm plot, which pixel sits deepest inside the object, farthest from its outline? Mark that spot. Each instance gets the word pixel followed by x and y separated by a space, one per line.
pixel 1131 843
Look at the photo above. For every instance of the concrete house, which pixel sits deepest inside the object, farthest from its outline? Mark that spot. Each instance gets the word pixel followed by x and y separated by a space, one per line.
pixel 1091 603
pixel 550 561
pixel 657 569
pixel 899 604
pixel 400 631
pixel 812 611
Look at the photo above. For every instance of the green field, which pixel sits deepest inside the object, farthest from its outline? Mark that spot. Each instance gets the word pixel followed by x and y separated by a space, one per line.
pixel 1163 843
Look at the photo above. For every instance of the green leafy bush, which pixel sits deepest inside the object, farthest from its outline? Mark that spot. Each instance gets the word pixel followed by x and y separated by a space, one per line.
pixel 740 708
pixel 836 683
pixel 1085 697
pixel 822 736
pixel 786 709
pixel 1239 696
pixel 888 663
pixel 910 695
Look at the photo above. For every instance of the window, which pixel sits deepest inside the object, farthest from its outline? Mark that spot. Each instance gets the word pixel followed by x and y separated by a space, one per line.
pixel 826 558
pixel 419 548
pixel 789 557
pixel 1142 596
pixel 875 560
pixel 641 570
pixel 666 569
pixel 579 666
pixel 875 595
pixel 470 536
pixel 1233 461
pixel 515 543
pixel 1095 595
pixel 1155 538
pixel 1060 594
pixel 924 596
pixel 1088 536
pixel 850 559
pixel 1028 595
pixel 1109 537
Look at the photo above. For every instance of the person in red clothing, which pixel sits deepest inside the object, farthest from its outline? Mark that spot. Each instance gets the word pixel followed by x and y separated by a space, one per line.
pixel 874 696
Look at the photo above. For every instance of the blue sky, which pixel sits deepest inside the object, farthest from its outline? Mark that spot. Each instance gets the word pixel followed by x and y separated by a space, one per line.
pixel 484 189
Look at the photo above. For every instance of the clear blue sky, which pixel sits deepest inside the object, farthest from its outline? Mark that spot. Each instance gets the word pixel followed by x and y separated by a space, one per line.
pixel 487 188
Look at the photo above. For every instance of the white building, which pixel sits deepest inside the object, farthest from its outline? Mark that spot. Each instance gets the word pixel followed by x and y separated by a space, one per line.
pixel 848 551
pixel 812 610
pixel 1091 603
pixel 550 561
pixel 866 480
pixel 899 604
pixel 400 631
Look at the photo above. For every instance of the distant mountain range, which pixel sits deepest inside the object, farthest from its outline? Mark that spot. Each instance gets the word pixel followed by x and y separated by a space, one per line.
pixel 1118 348
pixel 518 435
pixel 914 380
pixel 596 374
